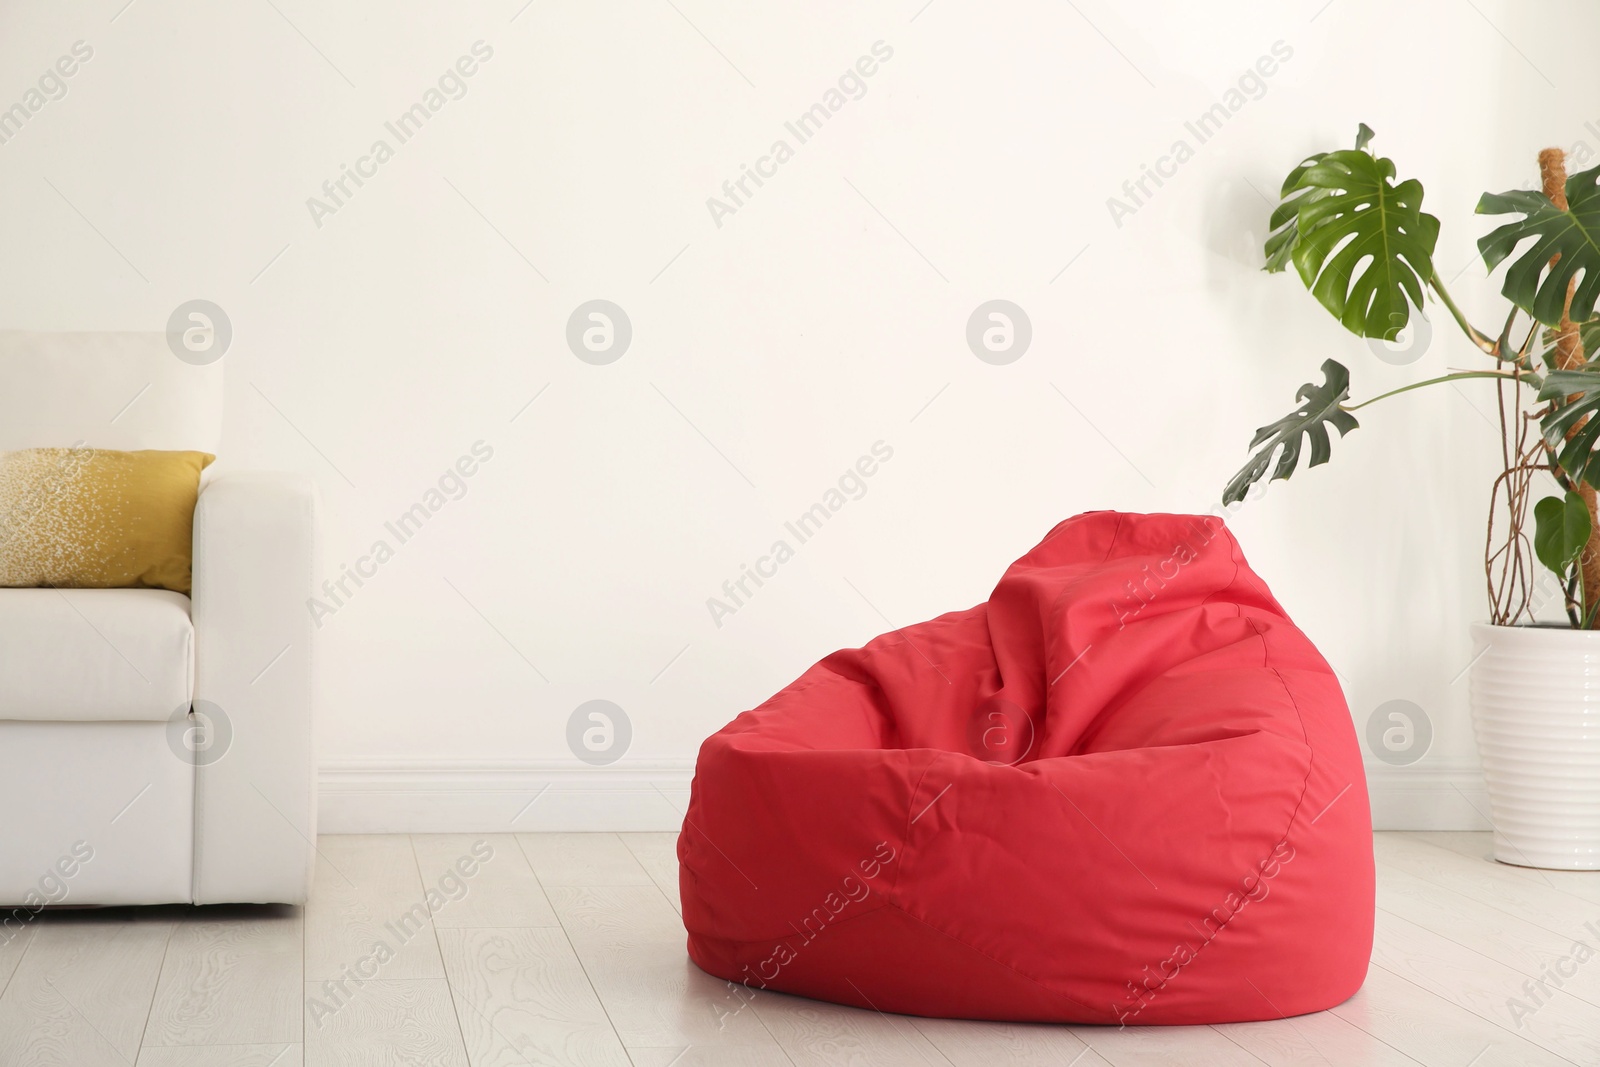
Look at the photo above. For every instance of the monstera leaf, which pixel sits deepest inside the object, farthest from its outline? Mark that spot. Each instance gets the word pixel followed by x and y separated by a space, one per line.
pixel 1284 226
pixel 1561 529
pixel 1532 282
pixel 1319 408
pixel 1285 222
pixel 1362 244
pixel 1575 394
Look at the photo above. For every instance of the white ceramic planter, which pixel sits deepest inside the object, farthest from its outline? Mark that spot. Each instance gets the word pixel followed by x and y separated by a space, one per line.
pixel 1536 713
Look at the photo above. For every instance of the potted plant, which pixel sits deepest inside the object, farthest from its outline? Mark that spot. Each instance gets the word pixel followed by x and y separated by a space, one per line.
pixel 1363 246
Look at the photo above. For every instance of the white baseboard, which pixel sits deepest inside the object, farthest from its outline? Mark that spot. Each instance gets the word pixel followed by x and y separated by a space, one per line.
pixel 486 796
pixel 1428 797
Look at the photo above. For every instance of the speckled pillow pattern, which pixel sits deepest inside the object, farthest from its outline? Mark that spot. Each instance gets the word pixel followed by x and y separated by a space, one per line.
pixel 90 518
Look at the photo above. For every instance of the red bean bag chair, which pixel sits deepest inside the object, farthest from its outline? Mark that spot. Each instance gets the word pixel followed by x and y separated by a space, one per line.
pixel 1126 789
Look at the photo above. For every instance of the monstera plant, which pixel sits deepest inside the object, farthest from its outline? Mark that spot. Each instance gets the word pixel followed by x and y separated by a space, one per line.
pixel 1362 244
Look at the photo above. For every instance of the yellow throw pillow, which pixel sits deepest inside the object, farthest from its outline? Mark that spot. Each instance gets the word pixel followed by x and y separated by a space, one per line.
pixel 90 518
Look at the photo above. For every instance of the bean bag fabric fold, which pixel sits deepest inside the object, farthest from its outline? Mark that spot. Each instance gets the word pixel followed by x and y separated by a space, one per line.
pixel 1125 789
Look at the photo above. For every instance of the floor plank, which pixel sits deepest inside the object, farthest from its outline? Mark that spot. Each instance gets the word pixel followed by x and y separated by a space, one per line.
pixel 81 994
pixel 1313 1041
pixel 232 976
pixel 1562 1024
pixel 1496 885
pixel 631 945
pixel 367 900
pixel 981 1044
pixel 502 890
pixel 815 1034
pixel 584 860
pixel 568 949
pixel 1524 946
pixel 1432 1030
pixel 290 1055
pixel 1164 1046
pixel 1480 846
pixel 710 1056
pixel 658 855
pixel 522 997
pixel 13 943
pixel 384 1024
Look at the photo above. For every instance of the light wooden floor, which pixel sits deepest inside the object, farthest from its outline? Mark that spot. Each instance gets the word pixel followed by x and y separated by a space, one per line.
pixel 566 949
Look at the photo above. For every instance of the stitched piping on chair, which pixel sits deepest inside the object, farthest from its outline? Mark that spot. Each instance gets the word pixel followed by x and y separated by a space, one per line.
pixel 1311 761
pixel 1235 553
pixel 1283 838
pixel 1116 531
pixel 905 835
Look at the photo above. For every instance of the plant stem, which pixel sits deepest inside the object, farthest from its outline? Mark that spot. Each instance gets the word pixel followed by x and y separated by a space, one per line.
pixel 1456 377
pixel 1475 335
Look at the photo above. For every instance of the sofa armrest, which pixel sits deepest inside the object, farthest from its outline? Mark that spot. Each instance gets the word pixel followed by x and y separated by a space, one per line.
pixel 255 780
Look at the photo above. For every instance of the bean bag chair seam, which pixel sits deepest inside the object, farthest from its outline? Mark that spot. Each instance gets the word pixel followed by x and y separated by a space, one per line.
pixel 1237 555
pixel 1310 750
pixel 1305 737
pixel 1115 532
pixel 905 835
pixel 1111 543
pixel 1311 753
pixel 1304 785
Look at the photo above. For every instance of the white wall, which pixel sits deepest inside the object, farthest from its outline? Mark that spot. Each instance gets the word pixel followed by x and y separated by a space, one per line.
pixel 771 351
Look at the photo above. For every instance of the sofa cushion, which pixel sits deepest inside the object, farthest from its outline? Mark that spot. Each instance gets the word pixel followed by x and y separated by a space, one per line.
pixel 94 654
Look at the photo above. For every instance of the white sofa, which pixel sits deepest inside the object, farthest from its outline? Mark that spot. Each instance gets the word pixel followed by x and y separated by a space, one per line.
pixel 105 797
